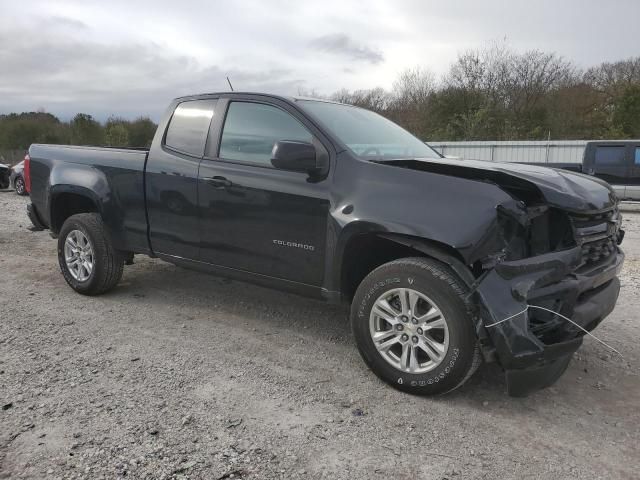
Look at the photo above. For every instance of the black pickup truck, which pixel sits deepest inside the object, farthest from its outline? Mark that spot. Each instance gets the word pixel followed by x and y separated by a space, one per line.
pixel 440 260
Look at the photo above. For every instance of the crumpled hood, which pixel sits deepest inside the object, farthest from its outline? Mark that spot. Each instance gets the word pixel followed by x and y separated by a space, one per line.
pixel 561 188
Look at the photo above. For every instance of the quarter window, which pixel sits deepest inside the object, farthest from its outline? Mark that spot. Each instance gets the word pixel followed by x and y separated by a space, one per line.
pixel 610 156
pixel 189 126
pixel 251 130
pixel 638 156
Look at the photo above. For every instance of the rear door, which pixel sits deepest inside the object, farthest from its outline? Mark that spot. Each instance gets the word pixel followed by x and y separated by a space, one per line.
pixel 611 163
pixel 172 180
pixel 254 217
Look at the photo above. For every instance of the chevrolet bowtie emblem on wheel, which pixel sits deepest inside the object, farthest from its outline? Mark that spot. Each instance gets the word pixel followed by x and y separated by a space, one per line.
pixel 284 243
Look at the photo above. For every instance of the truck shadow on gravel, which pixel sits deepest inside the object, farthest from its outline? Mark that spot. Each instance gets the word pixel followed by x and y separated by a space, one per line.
pixel 164 285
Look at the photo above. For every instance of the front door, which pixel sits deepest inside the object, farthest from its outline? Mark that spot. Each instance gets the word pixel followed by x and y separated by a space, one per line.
pixel 254 217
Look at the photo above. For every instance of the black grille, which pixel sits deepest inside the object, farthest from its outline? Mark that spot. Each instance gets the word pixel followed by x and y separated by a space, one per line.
pixel 593 252
pixel 596 234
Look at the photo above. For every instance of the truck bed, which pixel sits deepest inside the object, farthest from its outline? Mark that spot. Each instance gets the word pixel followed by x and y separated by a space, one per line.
pixel 90 155
pixel 115 175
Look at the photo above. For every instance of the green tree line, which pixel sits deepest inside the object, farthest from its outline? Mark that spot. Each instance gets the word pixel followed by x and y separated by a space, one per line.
pixel 495 93
pixel 19 130
pixel 491 93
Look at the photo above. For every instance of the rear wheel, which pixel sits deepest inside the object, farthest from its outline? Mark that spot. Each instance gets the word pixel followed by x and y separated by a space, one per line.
pixel 87 259
pixel 20 186
pixel 413 327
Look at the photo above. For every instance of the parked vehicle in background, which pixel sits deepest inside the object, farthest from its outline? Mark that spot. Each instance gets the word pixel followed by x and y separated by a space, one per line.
pixel 5 171
pixel 615 161
pixel 16 179
pixel 440 259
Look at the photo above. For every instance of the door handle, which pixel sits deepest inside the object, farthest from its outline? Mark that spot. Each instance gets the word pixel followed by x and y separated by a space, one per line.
pixel 218 182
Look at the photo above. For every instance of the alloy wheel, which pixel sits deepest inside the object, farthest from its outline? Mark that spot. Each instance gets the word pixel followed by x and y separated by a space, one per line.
pixel 409 330
pixel 78 255
pixel 19 186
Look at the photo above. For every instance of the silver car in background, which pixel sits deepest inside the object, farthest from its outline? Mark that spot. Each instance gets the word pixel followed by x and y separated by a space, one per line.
pixel 16 178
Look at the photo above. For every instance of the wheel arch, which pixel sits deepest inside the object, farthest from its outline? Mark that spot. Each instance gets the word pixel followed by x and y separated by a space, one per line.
pixel 369 247
pixel 68 200
pixel 438 251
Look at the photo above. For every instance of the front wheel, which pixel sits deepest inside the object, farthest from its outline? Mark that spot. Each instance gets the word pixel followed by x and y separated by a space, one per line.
pixel 413 327
pixel 20 186
pixel 87 259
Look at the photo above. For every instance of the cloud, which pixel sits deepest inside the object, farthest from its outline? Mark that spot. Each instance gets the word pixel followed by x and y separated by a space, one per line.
pixel 342 44
pixel 67 22
pixel 66 75
pixel 130 58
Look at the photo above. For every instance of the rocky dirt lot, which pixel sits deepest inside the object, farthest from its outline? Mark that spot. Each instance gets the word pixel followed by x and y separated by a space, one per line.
pixel 176 374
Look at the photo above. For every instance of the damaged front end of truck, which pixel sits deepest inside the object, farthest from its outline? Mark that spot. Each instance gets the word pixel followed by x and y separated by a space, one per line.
pixel 560 261
pixel 551 252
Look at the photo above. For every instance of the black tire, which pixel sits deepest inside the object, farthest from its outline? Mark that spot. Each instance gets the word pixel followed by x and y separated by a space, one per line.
pixel 19 186
pixel 108 263
pixel 438 282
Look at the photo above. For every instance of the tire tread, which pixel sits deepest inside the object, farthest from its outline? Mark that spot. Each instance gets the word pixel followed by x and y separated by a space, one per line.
pixel 441 272
pixel 444 273
pixel 109 263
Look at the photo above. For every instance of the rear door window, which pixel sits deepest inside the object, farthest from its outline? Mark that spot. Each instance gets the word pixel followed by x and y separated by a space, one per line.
pixel 637 162
pixel 610 156
pixel 189 125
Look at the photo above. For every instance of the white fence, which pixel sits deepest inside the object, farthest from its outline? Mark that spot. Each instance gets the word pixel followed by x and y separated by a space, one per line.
pixel 557 151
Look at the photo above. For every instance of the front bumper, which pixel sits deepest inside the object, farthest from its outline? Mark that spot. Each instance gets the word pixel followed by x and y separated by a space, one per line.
pixel 535 347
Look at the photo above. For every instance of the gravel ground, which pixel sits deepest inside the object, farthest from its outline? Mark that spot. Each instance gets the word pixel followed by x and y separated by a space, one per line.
pixel 176 374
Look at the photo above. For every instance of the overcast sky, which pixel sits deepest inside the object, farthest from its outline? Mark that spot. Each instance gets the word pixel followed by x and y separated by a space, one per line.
pixel 129 58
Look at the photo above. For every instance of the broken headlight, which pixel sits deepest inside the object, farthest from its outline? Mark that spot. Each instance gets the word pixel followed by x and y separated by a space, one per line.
pixel 530 231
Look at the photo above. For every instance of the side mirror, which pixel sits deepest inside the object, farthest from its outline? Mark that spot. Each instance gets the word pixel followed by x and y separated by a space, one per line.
pixel 297 157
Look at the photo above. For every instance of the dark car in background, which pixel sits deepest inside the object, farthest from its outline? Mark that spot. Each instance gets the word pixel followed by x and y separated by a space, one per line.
pixel 617 162
pixel 5 171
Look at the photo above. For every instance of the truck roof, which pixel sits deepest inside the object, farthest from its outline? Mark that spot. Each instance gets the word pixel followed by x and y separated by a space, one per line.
pixel 611 142
pixel 262 94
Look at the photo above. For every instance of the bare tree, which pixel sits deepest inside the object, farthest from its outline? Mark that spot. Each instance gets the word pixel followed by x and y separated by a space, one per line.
pixel 514 87
pixel 611 79
pixel 534 74
pixel 303 92
pixel 376 99
pixel 486 69
pixel 413 88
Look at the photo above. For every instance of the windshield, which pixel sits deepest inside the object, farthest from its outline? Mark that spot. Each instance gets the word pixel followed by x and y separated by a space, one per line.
pixel 368 134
